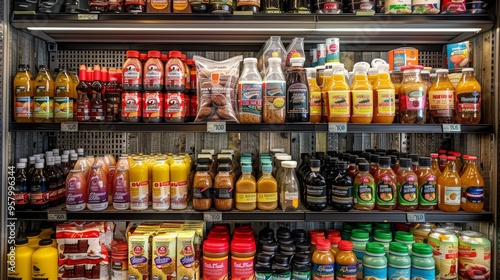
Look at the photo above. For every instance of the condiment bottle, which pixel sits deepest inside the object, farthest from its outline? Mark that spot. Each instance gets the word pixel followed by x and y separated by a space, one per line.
pixel 215 258
pixel 412 96
pixel 338 98
pixel 246 190
pixel 362 96
pixel 422 262
pixel 442 99
pixel 315 101
pixel 96 92
pixel 427 191
pixel 407 186
pixel 160 173
pixel 153 72
pixel 316 188
pixel 345 261
pixel 364 189
pixel 449 187
pixel 399 262
pixel 472 188
pixel 39 191
pixel 297 92
pixel 46 260
pixel 175 79
pixel 224 186
pixel 97 189
pixel 131 108
pixel 44 96
pixel 289 196
pixel 323 261
pixel 202 187
pixel 250 93
pixel 174 106
pixel 243 259
pixel 386 189
pixel 342 196
pixel 374 165
pixel 281 267
pixel 375 261
pixel 435 164
pixel 113 97
pixel 384 97
pixel 83 104
pixel 468 98
pixel 23 87
pixel 359 238
pixel 20 268
pixel 135 6
pixel 267 190
pixel 132 72
pixel 64 96
pixel 274 89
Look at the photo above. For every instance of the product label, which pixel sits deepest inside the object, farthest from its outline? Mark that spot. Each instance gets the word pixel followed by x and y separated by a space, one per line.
pixel 321 54
pixel 39 198
pixel 246 197
pixel 23 107
pixel 441 100
pixel 297 98
pixel 414 100
pixel 323 271
pixel 428 191
pixel 52 195
pixel 359 255
pixel 274 102
pixel 473 195
pixel 445 248
pixel 452 195
pixel 139 194
pixel 174 105
pixel 153 69
pixel 316 190
pixel 63 108
pixel 342 195
pixel 121 195
pixel 97 190
pixel 193 100
pixel 224 193
pixel 263 276
pixel 339 103
pixel 267 197
pixel 385 191
pixel 132 72
pixel 161 194
pixel 83 108
pixel 159 4
pixel 385 100
pixel 152 105
pixel 44 107
pixel 293 197
pixel 202 193
pixel 242 268
pixel 345 272
pixel 365 191
pixel 284 276
pixel 175 69
pixel 22 198
pixel 469 102
pixel 178 192
pixel 398 6
pixel 332 48
pixel 395 272
pixel 362 103
pixel 250 102
pixel 374 272
pixel 131 105
pixel 301 275
pixel 453 6
pixel 418 273
pixel 215 268
pixel 408 191
pixel 315 103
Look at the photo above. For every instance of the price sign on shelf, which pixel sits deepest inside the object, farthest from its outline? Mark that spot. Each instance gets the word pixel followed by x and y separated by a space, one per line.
pixel 216 127
pixel 337 127
pixel 212 217
pixel 56 216
pixel 415 217
pixel 451 128
pixel 69 126
pixel 88 17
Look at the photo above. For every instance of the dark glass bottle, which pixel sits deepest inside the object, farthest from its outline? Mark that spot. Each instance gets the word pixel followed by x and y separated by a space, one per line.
pixel 53 181
pixel 83 105
pixel 61 181
pixel 297 92
pixel 342 196
pixel 316 194
pixel 113 97
pixel 97 104
pixel 21 187
pixel 39 192
pixel 30 170
pixel 374 159
pixel 331 173
pixel 303 171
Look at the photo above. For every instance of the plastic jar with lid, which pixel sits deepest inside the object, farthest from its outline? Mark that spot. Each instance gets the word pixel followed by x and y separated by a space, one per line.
pixel 242 259
pixel 132 72
pixel 412 96
pixel 399 262
pixel 301 266
pixel 215 259
pixel 375 261
pixel 202 186
pixel 281 267
pixel 405 238
pixel 422 262
pixel 153 72
pixel 345 261
pixel 131 106
pixel 175 79
pixel 224 186
pixel 359 238
pixel 384 237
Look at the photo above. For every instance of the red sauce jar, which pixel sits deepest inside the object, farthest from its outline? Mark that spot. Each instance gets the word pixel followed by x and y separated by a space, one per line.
pixel 242 259
pixel 153 72
pixel 152 106
pixel 132 72
pixel 131 106
pixel 174 106
pixel 215 259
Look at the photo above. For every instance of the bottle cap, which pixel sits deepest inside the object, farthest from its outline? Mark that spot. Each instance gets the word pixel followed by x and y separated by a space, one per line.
pixel 352 159
pixel 345 245
pixel 21 165
pixel 32 233
pixel 468 70
pixel 472 158
pixel 155 54
pixel 398 248
pixel 375 248
pixel 334 239
pixel 364 167
pixel 442 71
pixel 215 246
pixel 39 165
pixel 360 160
pixel 143 56
pixel 422 249
pixel 45 242
pixel 374 158
pixel 434 155
pixel 24 160
pixel 382 235
pixel 274 59
pixel 360 234
pixel 246 169
pixel 413 157
pixel 250 60
pixel 323 244
pixel 384 161
pixel 243 246
pixel 424 161
pixel 342 165
pixel 315 163
pixel 452 158
pixel 202 167
pixel 21 241
pixel 287 157
pixel 297 61
pixel 404 237
pixel 412 67
pixel 132 53
pixel 176 54
pixel 289 164
pixel 267 168
pixel 405 162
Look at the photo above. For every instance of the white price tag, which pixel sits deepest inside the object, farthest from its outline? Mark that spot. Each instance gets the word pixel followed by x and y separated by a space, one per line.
pixel 451 128
pixel 88 17
pixel 337 127
pixel 216 127
pixel 56 216
pixel 415 217
pixel 212 217
pixel 69 126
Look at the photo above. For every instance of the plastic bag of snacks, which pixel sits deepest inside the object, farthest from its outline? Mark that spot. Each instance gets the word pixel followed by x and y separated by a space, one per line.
pixel 295 49
pixel 217 81
pixel 273 48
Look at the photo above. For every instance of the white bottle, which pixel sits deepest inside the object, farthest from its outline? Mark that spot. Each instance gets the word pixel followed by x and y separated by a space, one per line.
pixel 250 93
pixel 289 187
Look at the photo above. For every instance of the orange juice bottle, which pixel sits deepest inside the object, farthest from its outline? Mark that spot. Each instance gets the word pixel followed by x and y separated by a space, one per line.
pixel 472 188
pixel 23 94
pixel 435 164
pixel 325 82
pixel 44 96
pixel 338 99
pixel 161 184
pixel 442 99
pixel 372 75
pixel 139 182
pixel 449 187
pixel 362 96
pixel 178 184
pixel 468 98
pixel 384 94
pixel 65 96
pixel 315 103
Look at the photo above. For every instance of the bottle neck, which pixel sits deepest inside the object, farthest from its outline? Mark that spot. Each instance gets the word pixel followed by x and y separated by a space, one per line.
pixel 315 169
pixel 451 166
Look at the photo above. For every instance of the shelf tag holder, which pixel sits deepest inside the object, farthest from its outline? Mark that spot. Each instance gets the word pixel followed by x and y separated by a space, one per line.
pixel 216 127
pixel 451 128
pixel 56 216
pixel 212 216
pixel 334 127
pixel 88 17
pixel 69 126
pixel 415 217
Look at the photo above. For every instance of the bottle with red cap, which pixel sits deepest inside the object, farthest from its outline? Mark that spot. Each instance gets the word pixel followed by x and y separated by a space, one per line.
pixel 112 94
pixel 345 261
pixel 132 72
pixel 449 187
pixel 152 106
pixel 215 259
pixel 97 89
pixel 193 97
pixel 323 260
pixel 243 256
pixel 153 72
pixel 175 72
pixel 83 105
pixel 187 88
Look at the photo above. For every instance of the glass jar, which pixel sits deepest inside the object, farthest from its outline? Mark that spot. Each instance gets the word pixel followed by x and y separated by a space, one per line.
pixel 412 96
pixel 224 185
pixel 202 186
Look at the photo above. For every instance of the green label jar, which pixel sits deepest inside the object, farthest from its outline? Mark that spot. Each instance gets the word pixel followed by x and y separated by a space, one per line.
pixel 422 262
pixel 374 261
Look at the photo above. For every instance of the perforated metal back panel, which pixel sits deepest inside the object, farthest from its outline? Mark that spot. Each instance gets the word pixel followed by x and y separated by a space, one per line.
pixel 94 143
pixel 431 59
pixel 108 59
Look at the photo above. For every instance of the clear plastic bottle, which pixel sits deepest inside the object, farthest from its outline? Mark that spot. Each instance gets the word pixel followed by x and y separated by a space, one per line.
pixel 23 87
pixel 44 96
pixel 297 92
pixel 362 96
pixel 384 96
pixel 468 98
pixel 442 99
pixel 315 102
pixel 289 187
pixel 338 99
pixel 153 72
pixel 175 79
pixel 274 89
pixel 132 72
pixel 64 96
pixel 250 93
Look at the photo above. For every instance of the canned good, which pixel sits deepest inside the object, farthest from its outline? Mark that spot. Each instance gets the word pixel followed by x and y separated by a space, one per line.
pixel 453 7
pixel 362 6
pixel 313 56
pixel 421 231
pixel 444 244
pixel 476 7
pixel 426 6
pixel 321 53
pixel 474 256
pixel 332 50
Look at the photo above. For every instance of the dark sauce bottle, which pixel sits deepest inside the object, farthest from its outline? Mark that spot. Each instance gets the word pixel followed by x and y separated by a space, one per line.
pixel 297 92
pixel 342 196
pixel 316 194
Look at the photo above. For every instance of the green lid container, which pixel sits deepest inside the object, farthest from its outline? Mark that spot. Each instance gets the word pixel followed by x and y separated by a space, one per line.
pixel 375 249
pixel 422 250
pixel 360 235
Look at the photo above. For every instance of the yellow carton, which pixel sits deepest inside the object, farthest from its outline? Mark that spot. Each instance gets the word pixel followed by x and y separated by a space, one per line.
pixel 164 260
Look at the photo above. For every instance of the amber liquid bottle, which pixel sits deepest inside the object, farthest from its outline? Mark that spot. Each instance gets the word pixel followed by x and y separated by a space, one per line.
pixel 407 186
pixel 297 92
pixel 449 187
pixel 83 105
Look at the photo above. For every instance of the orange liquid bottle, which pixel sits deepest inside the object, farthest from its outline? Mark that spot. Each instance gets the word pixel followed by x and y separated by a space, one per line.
pixel 407 186
pixel 384 94
pixel 385 178
pixel 442 99
pixel 464 165
pixel 338 96
pixel 362 97
pixel 427 191
pixel 472 188
pixel 324 82
pixel 435 164
pixel 449 187
pixel 373 75
pixel 315 102
pixel 468 98
pixel 23 87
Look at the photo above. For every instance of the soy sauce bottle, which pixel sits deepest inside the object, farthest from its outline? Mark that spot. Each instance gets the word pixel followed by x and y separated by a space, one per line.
pixel 297 92
pixel 316 194
pixel 342 196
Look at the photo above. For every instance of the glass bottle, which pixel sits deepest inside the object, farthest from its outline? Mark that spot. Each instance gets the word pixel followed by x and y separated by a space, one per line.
pixel 449 187
pixel 39 191
pixel 250 93
pixel 44 96
pixel 297 92
pixel 386 186
pixel 442 99
pixel 364 188
pixel 274 89
pixel 23 87
pixel 64 96
pixel 342 193
pixel 53 181
pixel 374 164
pixel 468 98
pixel 61 178
pixel 407 186
pixel 289 187
pixel 362 96
pixel 338 99
pixel 21 187
pixel 427 190
pixel 384 97
pixel 315 103
pixel 412 96
pixel 435 164
pixel 472 188
pixel 113 100
pixel 246 190
pixel 83 104
pixel 316 193
pixel 414 162
pixel 202 187
pixel 96 92
pixel 267 190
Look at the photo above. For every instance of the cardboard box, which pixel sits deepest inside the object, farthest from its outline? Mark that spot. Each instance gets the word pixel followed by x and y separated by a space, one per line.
pixel 458 55
pixel 164 260
pixel 402 57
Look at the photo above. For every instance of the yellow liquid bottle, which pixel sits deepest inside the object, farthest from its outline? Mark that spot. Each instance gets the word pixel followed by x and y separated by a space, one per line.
pixel 315 102
pixel 372 75
pixel 33 239
pixel 362 97
pixel 338 96
pixel 472 188
pixel 23 88
pixel 325 82
pixel 44 262
pixel 161 185
pixel 246 190
pixel 65 95
pixel 384 94
pixel 468 98
pixel 178 184
pixel 44 96
pixel 449 187
pixel 20 266
pixel 139 184
pixel 267 190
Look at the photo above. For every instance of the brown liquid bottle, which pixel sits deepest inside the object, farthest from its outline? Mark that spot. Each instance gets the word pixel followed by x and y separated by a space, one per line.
pixel 97 89
pixel 407 186
pixel 427 180
pixel 83 105
pixel 297 92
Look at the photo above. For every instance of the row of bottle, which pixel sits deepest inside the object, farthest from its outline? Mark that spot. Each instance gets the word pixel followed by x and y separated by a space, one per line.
pixel 33 261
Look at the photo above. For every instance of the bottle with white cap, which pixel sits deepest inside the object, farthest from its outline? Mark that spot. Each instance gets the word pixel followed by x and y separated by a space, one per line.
pixel 338 98
pixel 362 96
pixel 39 191
pixel 21 187
pixel 250 93
pixel 384 97
pixel 23 160
pixel 80 152
pixel 297 92
pixel 289 187
pixel 273 91
pixel 55 152
pixel 72 160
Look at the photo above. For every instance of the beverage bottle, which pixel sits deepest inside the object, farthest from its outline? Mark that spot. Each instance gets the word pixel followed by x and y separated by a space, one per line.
pixel 443 161
pixel 175 71
pixel 45 261
pixel 21 187
pixel 412 96
pixel 153 72
pixel 297 92
pixel 246 190
pixel 316 187
pixel 23 87
pixel 21 267
pixel 96 92
pixel 386 186
pixel 372 75
pixel 39 191
pixel 364 189
pixel 33 239
pixel 53 182
pixel 274 89
pixel 250 93
pixel 44 96
pixel 76 191
pixel 83 105
pixel 139 184
pixel 423 265
pixel 113 97
pixel 427 190
pixel 345 261
pixel 30 170
pixel 374 164
pixel 442 99
pixel 384 96
pixel 121 189
pixel 472 188
pixel 267 190
pixel 407 186
pixel 161 185
pixel 61 178
pixel 338 99
pixel 449 187
pixel 324 81
pixel 83 164
pixel 342 193
pixel 464 165
pixel 64 97
pixel 399 262
pixel 178 184
pixel 289 196
pixel 315 102
pixel 435 164
pixel 375 261
pixel 97 187
pixel 73 159
pixel 132 72
pixel 323 261
pixel 468 98
pixel 362 96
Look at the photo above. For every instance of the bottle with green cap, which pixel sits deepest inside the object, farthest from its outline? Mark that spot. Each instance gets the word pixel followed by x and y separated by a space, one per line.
pixel 382 226
pixel 422 262
pixel 19 260
pixel 399 262
pixel 375 261
pixel 406 238
pixel 384 237
pixel 267 190
pixel 346 231
pixel 359 238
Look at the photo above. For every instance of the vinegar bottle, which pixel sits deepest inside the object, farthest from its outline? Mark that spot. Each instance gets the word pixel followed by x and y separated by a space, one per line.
pixel 442 99
pixel 23 87
pixel 472 188
pixel 362 97
pixel 384 96
pixel 338 96
pixel 468 98
pixel 315 103
pixel 64 96
pixel 449 187
pixel 44 96
pixel 297 92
